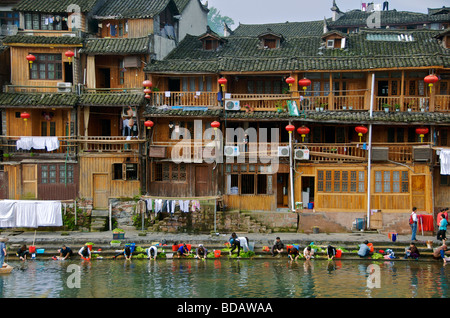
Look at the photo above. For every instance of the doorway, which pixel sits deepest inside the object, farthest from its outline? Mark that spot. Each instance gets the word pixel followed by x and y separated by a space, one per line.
pixel 68 72
pixel 282 190
pixel 202 177
pixel 383 88
pixel 100 190
pixel 307 191
pixel 104 78
pixel 174 84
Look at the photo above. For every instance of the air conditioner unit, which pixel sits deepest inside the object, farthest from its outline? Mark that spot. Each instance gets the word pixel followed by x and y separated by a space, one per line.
pixel 423 154
pixel 70 35
pixel 131 61
pixel 283 151
pixel 380 153
pixel 64 87
pixel 301 154
pixel 232 105
pixel 231 151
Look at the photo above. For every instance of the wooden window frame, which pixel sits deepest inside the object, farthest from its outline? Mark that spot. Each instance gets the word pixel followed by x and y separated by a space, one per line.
pixel 385 181
pixel 124 173
pixel 35 67
pixel 237 171
pixel 175 172
pixel 59 174
pixel 341 181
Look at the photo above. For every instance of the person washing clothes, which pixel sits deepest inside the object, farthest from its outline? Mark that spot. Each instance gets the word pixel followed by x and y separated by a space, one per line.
pixel 201 252
pixel 85 253
pixel 152 252
pixel 238 242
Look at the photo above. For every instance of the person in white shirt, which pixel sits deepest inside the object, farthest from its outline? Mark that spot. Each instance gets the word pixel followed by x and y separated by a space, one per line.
pixel 413 224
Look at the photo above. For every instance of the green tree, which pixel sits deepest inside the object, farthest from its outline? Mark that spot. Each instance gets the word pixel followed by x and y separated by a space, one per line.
pixel 216 21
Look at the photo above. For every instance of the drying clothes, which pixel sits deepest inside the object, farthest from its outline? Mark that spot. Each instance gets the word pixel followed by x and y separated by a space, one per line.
pixel 171 206
pixel 158 205
pixel 149 205
pixel 27 213
pixel 195 205
pixel 426 222
pixel 27 143
pixel 444 158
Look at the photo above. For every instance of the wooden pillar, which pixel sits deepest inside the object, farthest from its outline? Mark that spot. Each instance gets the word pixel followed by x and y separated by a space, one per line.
pixel 402 93
pixel 432 97
pixel 330 95
pixel 90 72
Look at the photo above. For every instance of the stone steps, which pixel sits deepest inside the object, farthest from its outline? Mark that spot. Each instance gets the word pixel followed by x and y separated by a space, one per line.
pixel 99 220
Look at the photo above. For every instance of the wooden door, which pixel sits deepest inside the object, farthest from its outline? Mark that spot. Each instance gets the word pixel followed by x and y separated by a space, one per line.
pixel 202 177
pixel 418 192
pixel 101 190
pixel 4 193
pixel 29 181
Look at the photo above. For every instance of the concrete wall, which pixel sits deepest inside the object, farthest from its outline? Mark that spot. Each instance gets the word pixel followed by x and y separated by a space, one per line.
pixel 193 20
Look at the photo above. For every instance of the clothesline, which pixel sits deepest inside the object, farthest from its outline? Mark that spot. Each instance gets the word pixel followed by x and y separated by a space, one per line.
pixel 207 198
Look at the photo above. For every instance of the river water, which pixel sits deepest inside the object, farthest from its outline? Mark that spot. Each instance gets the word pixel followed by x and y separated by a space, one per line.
pixel 226 278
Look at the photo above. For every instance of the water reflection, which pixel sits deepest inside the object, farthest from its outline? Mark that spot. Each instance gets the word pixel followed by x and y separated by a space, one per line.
pixel 189 278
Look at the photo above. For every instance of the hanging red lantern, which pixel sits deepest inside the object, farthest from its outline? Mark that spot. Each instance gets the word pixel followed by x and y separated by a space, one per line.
pixel 215 124
pixel 222 81
pixel 303 131
pixel 290 80
pixel 430 80
pixel 304 83
pixel 290 128
pixel 147 91
pixel 24 116
pixel 69 55
pixel 361 130
pixel 31 58
pixel 148 124
pixel 147 83
pixel 422 131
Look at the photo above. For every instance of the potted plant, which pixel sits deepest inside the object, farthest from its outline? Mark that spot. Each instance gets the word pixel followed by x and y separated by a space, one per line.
pixel 410 106
pixel 281 107
pixel 118 234
pixel 6 156
pixel 322 106
pixel 397 107
pixel 386 107
pixel 248 108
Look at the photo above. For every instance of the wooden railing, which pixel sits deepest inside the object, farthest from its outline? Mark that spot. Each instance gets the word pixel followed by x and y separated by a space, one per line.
pixel 261 102
pixel 400 152
pixel 335 152
pixel 109 144
pixel 442 103
pixel 9 145
pixel 184 99
pixel 405 103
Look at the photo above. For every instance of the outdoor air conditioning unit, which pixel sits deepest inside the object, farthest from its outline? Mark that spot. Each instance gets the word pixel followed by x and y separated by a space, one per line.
pixel 301 154
pixel 131 61
pixel 232 105
pixel 283 151
pixel 422 153
pixel 231 151
pixel 64 87
pixel 380 153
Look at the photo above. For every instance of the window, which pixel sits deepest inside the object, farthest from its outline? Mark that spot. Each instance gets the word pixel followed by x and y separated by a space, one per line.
pixel 46 67
pixel 249 179
pixel 57 174
pixel 169 172
pixel 125 171
pixel 9 18
pixel 270 43
pixel 391 182
pixel 335 181
pixel 48 128
pixel 121 72
pixel 41 21
pixel 445 180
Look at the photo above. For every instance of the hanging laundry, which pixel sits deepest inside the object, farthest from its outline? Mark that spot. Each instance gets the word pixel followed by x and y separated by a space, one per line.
pixel 195 205
pixel 149 204
pixel 172 206
pixel 158 205
pixel 444 158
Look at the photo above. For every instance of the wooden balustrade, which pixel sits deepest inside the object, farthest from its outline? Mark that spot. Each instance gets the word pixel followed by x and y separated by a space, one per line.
pixel 9 145
pixel 442 103
pixel 335 152
pixel 184 99
pixel 350 102
pixel 261 102
pixel 109 144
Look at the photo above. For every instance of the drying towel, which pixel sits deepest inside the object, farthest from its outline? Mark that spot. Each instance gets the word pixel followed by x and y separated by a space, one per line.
pixel 27 143
pixel 26 214
pixel 48 213
pixel 426 221
pixel 444 158
pixel 7 214
pixel 16 213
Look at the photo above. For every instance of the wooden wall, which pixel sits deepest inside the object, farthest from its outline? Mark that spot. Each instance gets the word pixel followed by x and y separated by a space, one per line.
pixel 441 192
pixel 133 77
pixel 21 68
pixel 91 165
pixel 260 202
pixel 32 127
pixel 136 28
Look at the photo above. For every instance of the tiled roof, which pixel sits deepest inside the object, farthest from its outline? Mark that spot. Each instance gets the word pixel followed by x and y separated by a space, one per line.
pixel 38 100
pixel 129 9
pixel 117 46
pixel 391 17
pixel 34 39
pixel 307 116
pixel 244 54
pixel 54 6
pixel 111 99
pixel 287 29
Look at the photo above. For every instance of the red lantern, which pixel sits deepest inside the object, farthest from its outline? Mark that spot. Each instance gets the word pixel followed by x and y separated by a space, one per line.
pixel 148 124
pixel 31 58
pixel 290 128
pixel 361 130
pixel 69 55
pixel 215 124
pixel 147 83
pixel 24 116
pixel 147 91
pixel 222 81
pixel 303 131
pixel 430 80
pixel 290 80
pixel 304 82
pixel 422 131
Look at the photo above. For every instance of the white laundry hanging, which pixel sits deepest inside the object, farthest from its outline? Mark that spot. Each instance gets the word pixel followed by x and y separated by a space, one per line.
pixel 158 205
pixel 38 143
pixel 444 158
pixel 27 213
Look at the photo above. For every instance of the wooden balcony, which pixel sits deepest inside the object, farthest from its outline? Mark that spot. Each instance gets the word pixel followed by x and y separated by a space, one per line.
pixel 67 146
pixel 109 144
pixel 184 99
pixel 442 103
